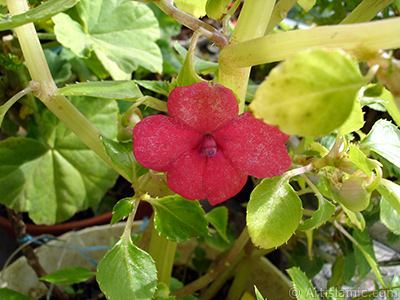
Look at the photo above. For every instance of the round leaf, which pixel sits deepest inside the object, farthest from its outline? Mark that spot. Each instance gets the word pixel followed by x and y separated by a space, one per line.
pixel 121 33
pixel 273 213
pixel 54 179
pixel 310 94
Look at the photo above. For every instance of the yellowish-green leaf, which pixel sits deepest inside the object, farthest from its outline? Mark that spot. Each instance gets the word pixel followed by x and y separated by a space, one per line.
pixel 306 4
pixel 196 8
pixel 354 122
pixel 310 94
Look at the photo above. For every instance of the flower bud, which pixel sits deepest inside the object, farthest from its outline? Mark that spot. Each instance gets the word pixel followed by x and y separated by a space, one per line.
pixel 353 194
pixel 126 123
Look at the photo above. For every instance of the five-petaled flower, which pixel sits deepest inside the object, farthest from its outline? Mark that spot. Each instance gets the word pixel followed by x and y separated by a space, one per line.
pixel 206 148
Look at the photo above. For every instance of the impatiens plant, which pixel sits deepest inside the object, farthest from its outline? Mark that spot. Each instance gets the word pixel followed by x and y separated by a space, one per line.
pixel 287 113
pixel 205 148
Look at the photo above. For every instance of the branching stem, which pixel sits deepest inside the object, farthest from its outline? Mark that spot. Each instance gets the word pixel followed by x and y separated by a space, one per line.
pixel 219 39
pixel 58 104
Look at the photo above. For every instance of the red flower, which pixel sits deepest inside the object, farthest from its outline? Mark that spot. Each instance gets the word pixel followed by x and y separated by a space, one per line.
pixel 206 149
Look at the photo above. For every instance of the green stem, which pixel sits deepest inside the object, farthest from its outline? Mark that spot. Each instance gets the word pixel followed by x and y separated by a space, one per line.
pixel 58 104
pixel 191 22
pixel 219 282
pixel 366 11
pixel 371 261
pixel 33 86
pixel 162 251
pixel 241 278
pixel 358 39
pixel 252 23
pixel 129 222
pixel 217 271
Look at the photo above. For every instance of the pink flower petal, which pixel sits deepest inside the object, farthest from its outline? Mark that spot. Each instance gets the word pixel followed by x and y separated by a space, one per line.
pixel 202 106
pixel 254 147
pixel 220 180
pixel 159 139
pixel 196 176
pixel 185 175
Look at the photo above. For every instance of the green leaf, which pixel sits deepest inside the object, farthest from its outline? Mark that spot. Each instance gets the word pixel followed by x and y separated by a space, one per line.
pixel 216 241
pixel 300 257
pixel 218 217
pixel 122 209
pixel 258 294
pixel 349 266
pixel 200 66
pixel 187 74
pixel 121 33
pixel 273 213
pixel 365 254
pixel 217 9
pixel 333 293
pixel 337 271
pixel 384 139
pixel 310 94
pixel 196 8
pixel 68 275
pixel 123 90
pixel 60 69
pixel 391 192
pixel 389 217
pixel 320 216
pixel 160 87
pixel 127 272
pixel 306 4
pixel 395 282
pixel 356 218
pixel 42 12
pixel 361 160
pixel 303 288
pixel 121 154
pixel 179 219
pixel 168 26
pixel 8 294
pixel 57 176
pixel 390 105
pixel 397 3
pixel 354 122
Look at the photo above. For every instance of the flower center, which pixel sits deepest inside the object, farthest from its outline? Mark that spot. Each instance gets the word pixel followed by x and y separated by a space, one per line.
pixel 208 146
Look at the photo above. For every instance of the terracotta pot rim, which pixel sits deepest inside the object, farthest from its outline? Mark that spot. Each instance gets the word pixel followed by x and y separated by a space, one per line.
pixel 58 229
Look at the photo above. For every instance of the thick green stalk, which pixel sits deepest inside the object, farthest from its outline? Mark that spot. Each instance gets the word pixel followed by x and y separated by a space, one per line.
pixel 252 23
pixel 360 40
pixel 366 11
pixel 59 105
pixel 220 281
pixel 163 253
pixel 239 283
